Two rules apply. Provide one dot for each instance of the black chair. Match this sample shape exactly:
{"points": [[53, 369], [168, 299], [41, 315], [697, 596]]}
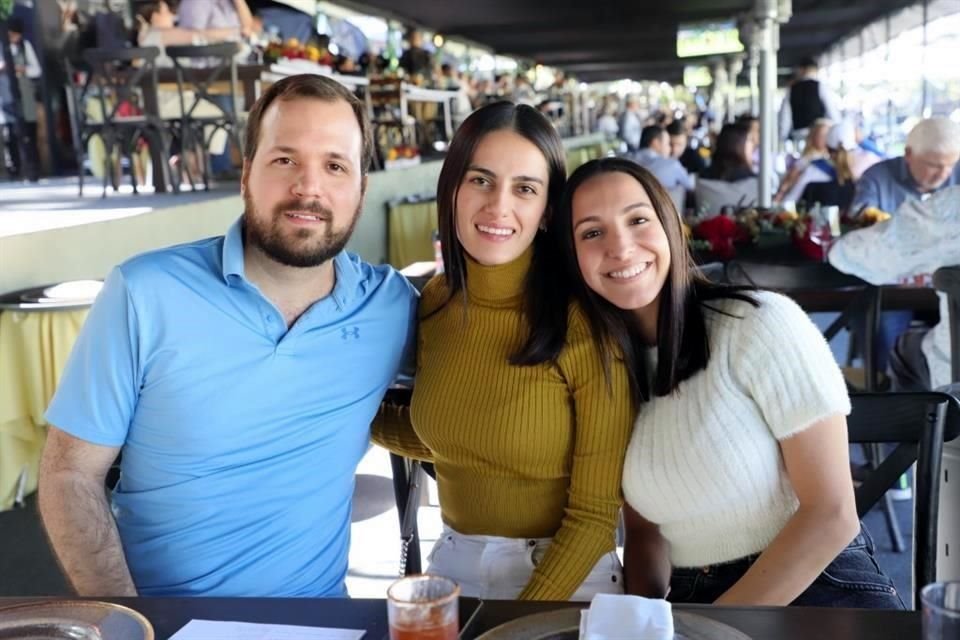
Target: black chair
{"points": [[198, 69], [919, 424], [121, 77], [947, 281], [408, 478]]}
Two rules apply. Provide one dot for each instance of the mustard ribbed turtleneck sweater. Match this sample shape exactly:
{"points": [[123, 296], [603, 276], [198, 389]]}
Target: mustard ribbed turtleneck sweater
{"points": [[520, 452]]}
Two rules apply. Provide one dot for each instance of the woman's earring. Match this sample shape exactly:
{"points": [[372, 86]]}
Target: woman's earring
{"points": [[543, 225]]}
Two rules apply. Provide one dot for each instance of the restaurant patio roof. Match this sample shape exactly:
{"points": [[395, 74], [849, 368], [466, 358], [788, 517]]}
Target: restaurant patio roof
{"points": [[614, 39]]}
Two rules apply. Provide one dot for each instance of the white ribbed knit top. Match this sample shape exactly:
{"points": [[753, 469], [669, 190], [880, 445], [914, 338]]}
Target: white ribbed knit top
{"points": [[704, 462]]}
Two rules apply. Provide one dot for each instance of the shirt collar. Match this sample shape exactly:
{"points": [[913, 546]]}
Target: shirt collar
{"points": [[347, 280], [233, 253], [904, 176], [347, 272]]}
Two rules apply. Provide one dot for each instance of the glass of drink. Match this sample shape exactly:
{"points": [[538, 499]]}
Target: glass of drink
{"points": [[423, 608], [940, 602]]}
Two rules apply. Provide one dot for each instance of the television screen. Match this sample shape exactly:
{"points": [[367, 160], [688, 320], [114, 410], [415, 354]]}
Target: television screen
{"points": [[707, 39], [697, 76]]}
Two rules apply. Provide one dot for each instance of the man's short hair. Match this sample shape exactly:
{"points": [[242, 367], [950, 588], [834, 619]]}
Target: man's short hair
{"points": [[807, 62], [676, 128], [649, 134], [935, 135], [312, 86], [15, 25]]}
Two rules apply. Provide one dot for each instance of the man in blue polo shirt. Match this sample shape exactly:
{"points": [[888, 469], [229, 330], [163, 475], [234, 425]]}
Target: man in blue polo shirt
{"points": [[239, 376], [930, 163]]}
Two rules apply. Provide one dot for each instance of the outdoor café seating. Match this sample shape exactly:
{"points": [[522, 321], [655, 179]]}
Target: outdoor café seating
{"points": [[124, 81], [207, 111]]}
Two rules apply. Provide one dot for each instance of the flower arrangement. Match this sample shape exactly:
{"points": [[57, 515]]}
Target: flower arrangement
{"points": [[292, 49], [720, 235]]}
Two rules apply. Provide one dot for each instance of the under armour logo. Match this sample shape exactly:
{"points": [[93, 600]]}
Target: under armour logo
{"points": [[353, 332]]}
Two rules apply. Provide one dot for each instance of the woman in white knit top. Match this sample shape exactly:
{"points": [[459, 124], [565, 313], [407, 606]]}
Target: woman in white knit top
{"points": [[737, 474]]}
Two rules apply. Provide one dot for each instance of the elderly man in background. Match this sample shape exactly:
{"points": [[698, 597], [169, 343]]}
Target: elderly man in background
{"points": [[928, 164], [922, 237]]}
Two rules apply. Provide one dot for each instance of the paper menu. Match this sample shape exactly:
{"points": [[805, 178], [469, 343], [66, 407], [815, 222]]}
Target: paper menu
{"points": [[217, 630]]}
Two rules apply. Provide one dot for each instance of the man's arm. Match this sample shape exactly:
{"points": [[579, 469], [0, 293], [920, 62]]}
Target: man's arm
{"points": [[77, 518], [867, 193]]}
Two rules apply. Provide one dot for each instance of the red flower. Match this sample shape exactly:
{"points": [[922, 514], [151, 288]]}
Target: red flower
{"points": [[721, 232]]}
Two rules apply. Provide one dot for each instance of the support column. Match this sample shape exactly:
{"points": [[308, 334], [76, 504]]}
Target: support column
{"points": [[927, 107], [753, 69], [767, 32], [734, 67]]}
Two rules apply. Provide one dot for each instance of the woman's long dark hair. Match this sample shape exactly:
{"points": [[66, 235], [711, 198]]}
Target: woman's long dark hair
{"points": [[542, 291], [730, 159], [682, 344]]}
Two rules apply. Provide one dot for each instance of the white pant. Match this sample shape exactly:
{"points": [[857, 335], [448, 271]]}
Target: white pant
{"points": [[499, 568]]}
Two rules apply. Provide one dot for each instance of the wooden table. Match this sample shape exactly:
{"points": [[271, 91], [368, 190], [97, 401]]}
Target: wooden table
{"points": [[760, 623]]}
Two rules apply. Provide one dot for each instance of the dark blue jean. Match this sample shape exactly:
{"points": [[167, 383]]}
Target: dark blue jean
{"points": [[852, 580]]}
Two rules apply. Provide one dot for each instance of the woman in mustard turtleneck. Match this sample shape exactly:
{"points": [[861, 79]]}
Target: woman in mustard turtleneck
{"points": [[528, 451]]}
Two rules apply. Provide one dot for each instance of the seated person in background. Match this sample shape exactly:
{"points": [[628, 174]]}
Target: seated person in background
{"points": [[729, 181], [216, 14], [654, 156], [921, 237], [157, 27], [752, 124], [828, 181], [737, 473], [731, 160], [682, 151], [929, 163], [814, 149], [214, 365]]}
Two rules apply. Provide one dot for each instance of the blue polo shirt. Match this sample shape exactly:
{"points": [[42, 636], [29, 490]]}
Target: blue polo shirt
{"points": [[240, 438], [887, 184]]}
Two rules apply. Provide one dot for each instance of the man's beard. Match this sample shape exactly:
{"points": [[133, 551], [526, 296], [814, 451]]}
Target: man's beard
{"points": [[303, 247]]}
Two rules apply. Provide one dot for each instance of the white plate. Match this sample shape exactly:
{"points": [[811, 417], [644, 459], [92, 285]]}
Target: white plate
{"points": [[564, 624], [73, 620], [74, 290]]}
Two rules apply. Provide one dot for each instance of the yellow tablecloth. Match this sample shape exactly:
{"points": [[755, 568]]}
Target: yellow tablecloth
{"points": [[410, 228], [33, 352]]}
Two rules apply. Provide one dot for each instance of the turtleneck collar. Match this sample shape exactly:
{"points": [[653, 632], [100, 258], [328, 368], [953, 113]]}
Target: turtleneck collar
{"points": [[499, 285]]}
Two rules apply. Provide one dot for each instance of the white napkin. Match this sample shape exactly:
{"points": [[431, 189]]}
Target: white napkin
{"points": [[615, 617]]}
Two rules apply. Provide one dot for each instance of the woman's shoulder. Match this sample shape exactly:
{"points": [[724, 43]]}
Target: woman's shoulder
{"points": [[753, 307], [434, 295]]}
